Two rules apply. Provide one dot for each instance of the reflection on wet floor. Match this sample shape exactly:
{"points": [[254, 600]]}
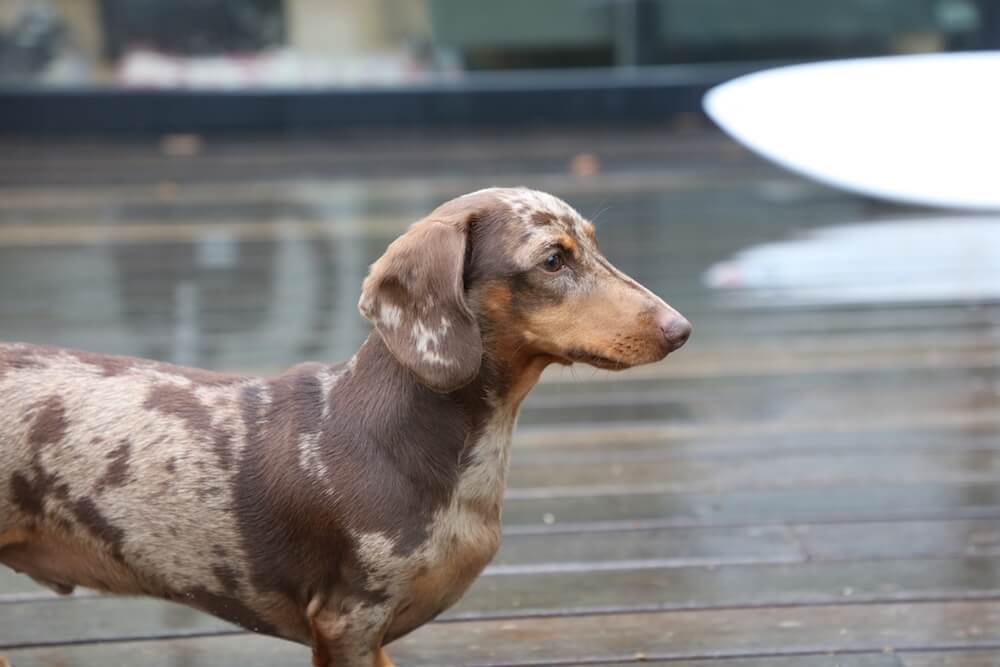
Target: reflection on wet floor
{"points": [[809, 475], [269, 286], [926, 260]]}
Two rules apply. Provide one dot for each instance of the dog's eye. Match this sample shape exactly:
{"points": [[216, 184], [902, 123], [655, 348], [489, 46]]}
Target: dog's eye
{"points": [[553, 262]]}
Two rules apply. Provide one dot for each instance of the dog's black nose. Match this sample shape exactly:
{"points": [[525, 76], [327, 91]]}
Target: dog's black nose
{"points": [[676, 330]]}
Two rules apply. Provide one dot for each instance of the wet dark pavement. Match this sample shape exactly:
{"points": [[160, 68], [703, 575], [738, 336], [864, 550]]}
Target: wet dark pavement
{"points": [[813, 480]]}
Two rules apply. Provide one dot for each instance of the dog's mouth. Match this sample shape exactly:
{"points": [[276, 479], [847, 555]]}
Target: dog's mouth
{"points": [[596, 360]]}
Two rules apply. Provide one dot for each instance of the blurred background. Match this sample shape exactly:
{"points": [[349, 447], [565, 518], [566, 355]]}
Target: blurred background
{"points": [[248, 44], [206, 181]]}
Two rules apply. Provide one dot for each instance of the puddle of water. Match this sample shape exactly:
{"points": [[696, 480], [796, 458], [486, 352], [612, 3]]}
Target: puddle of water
{"points": [[926, 260]]}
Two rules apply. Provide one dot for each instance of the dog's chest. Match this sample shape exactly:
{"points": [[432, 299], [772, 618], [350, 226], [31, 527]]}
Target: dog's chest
{"points": [[463, 536]]}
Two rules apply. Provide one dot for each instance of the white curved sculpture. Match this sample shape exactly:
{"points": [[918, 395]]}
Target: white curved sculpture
{"points": [[912, 129]]}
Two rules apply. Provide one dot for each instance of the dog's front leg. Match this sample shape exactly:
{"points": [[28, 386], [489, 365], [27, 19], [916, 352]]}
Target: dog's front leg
{"points": [[349, 635], [381, 659]]}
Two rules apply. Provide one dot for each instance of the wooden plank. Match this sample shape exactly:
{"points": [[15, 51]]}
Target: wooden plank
{"points": [[866, 660], [546, 593], [736, 633], [649, 548], [14, 585], [966, 419], [767, 402], [659, 383], [948, 438], [741, 398], [984, 658], [91, 618], [735, 545], [849, 502], [757, 586], [709, 633], [916, 539], [784, 471], [199, 658], [854, 319]]}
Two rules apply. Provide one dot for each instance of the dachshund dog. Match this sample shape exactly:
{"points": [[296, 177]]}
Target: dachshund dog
{"points": [[340, 506]]}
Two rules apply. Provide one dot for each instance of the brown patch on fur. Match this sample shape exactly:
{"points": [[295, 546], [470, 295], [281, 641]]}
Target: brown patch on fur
{"points": [[181, 402], [17, 358], [29, 494], [110, 366], [228, 577], [117, 472], [222, 443], [543, 218], [230, 609], [198, 376], [50, 424], [208, 492], [97, 524]]}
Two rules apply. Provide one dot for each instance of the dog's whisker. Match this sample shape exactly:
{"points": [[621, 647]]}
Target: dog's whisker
{"points": [[594, 219]]}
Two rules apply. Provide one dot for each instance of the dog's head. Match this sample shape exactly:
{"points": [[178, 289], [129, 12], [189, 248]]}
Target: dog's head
{"points": [[518, 274]]}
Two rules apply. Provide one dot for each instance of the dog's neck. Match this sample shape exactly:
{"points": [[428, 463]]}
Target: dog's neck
{"points": [[428, 432], [502, 383]]}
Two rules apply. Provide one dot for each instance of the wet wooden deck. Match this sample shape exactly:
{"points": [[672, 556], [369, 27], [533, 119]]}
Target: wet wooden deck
{"points": [[803, 487]]}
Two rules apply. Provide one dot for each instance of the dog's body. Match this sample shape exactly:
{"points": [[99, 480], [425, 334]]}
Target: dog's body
{"points": [[338, 506]]}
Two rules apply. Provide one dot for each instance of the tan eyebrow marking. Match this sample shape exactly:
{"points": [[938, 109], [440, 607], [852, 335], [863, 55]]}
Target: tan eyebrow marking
{"points": [[567, 243]]}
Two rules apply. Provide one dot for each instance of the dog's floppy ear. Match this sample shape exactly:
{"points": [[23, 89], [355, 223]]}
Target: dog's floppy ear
{"points": [[415, 297]]}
